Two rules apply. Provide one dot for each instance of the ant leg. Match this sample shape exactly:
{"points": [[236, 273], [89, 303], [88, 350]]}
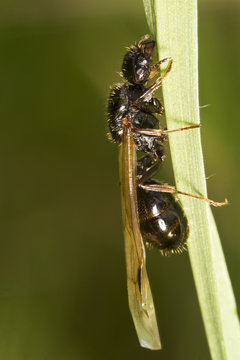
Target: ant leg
{"points": [[148, 173], [155, 68], [162, 132], [152, 106], [161, 62], [173, 190], [145, 37], [156, 84], [148, 164]]}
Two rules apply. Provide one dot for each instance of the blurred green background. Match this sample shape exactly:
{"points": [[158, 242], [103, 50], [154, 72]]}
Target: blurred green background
{"points": [[62, 270]]}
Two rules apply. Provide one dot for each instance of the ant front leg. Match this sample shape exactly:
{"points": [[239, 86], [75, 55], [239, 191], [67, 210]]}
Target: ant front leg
{"points": [[155, 68], [156, 84]]}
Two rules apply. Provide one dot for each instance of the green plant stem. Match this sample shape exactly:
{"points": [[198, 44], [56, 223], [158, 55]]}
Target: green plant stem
{"points": [[174, 23]]}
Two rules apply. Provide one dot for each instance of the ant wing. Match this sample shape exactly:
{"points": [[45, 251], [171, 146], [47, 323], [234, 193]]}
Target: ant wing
{"points": [[139, 292]]}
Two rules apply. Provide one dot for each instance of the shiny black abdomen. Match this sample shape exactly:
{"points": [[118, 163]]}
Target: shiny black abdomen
{"points": [[163, 223]]}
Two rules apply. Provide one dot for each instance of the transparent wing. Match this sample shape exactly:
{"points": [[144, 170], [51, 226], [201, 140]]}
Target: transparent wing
{"points": [[139, 292]]}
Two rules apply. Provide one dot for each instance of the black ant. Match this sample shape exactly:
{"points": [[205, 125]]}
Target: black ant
{"points": [[150, 209], [162, 220]]}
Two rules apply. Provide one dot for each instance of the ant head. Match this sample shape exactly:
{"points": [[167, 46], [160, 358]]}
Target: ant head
{"points": [[137, 62]]}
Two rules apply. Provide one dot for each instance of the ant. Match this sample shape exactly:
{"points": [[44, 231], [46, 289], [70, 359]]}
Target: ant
{"points": [[149, 207], [162, 220]]}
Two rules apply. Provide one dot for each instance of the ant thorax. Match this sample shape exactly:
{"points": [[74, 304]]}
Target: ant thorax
{"points": [[122, 104]]}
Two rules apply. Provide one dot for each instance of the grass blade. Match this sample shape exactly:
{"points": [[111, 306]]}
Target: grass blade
{"points": [[175, 29]]}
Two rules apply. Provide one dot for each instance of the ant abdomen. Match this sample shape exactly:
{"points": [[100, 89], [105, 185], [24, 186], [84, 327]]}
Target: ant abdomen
{"points": [[162, 220]]}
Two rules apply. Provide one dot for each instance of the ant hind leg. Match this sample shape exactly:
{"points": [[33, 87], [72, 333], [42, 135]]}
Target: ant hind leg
{"points": [[173, 190]]}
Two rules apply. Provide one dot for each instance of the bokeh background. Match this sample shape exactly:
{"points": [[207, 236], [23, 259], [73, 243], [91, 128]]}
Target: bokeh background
{"points": [[62, 270]]}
